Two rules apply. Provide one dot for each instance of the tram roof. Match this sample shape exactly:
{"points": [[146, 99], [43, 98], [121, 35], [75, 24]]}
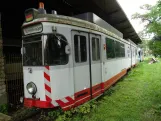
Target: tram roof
{"points": [[66, 20]]}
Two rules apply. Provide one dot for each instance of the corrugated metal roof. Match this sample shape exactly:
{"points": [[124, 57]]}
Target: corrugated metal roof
{"points": [[110, 11]]}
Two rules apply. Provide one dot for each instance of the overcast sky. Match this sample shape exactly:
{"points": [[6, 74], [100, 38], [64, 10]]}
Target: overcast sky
{"points": [[132, 6]]}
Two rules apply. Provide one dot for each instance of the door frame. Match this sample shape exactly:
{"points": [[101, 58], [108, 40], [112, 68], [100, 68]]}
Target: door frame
{"points": [[89, 55]]}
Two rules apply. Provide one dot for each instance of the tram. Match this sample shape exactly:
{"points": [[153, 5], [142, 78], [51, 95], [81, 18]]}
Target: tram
{"points": [[68, 61]]}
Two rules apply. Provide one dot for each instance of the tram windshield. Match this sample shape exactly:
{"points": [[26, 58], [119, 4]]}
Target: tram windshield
{"points": [[32, 55], [45, 50], [54, 50]]}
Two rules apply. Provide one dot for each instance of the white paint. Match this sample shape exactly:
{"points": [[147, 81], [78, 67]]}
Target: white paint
{"points": [[61, 83]]}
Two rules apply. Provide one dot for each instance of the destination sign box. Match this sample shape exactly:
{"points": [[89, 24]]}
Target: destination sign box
{"points": [[33, 29]]}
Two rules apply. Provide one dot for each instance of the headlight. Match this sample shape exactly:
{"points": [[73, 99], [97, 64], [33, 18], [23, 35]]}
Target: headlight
{"points": [[31, 88]]}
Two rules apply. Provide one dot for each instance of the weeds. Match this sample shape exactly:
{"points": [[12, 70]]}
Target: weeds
{"points": [[4, 108], [60, 115]]}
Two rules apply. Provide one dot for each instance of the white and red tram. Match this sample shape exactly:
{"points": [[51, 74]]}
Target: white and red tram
{"points": [[69, 61]]}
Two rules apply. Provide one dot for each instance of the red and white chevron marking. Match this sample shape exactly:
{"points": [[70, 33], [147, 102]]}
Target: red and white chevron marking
{"points": [[47, 85], [64, 102]]}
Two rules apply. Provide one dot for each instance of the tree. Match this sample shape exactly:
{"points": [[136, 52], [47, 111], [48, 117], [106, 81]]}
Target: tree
{"points": [[152, 21]]}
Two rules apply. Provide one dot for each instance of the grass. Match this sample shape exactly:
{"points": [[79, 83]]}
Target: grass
{"points": [[136, 97]]}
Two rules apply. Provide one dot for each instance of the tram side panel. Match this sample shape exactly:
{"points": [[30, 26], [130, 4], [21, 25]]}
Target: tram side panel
{"points": [[116, 62]]}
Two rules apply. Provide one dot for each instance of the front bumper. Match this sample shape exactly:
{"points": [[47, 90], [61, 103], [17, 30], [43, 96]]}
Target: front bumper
{"points": [[29, 102]]}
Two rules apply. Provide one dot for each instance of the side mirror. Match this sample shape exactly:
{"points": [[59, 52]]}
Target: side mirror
{"points": [[67, 49]]}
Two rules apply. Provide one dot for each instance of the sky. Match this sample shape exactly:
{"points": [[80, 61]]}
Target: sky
{"points": [[132, 6]]}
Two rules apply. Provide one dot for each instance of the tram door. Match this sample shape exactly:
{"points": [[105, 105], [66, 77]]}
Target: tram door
{"points": [[81, 71], [87, 65], [96, 70]]}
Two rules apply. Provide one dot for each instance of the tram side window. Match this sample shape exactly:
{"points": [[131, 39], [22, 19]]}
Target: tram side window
{"points": [[122, 50], [117, 49], [110, 52], [80, 47], [95, 49], [128, 51]]}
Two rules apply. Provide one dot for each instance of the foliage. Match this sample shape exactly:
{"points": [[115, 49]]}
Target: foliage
{"points": [[54, 114], [60, 115], [78, 111], [4, 108], [145, 47], [151, 19], [155, 47]]}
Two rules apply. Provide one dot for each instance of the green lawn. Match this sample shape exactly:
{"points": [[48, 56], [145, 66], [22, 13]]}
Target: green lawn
{"points": [[136, 97]]}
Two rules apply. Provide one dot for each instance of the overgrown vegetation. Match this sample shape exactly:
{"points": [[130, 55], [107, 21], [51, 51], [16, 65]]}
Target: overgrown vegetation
{"points": [[155, 47], [59, 115], [4, 108]]}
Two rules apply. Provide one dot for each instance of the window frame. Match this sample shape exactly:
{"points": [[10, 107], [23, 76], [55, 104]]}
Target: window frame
{"points": [[28, 42], [120, 41], [79, 49], [122, 51], [112, 49], [97, 50]]}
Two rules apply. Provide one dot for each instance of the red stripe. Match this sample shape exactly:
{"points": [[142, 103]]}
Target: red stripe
{"points": [[102, 86], [47, 88], [47, 67], [37, 103], [47, 76], [69, 99], [48, 98], [61, 103]]}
